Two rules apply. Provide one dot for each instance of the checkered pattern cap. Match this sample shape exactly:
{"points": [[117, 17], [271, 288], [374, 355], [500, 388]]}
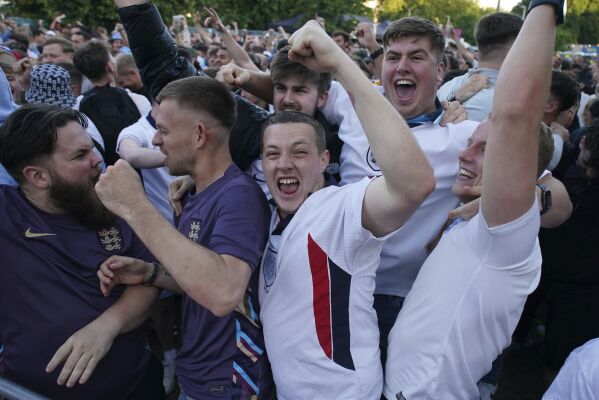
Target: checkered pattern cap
{"points": [[50, 84]]}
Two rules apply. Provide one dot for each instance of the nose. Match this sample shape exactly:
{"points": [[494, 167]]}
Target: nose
{"points": [[157, 139], [95, 159], [288, 98], [284, 162], [403, 64], [466, 155]]}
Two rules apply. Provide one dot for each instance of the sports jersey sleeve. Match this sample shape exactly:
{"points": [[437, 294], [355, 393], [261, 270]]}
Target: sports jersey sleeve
{"points": [[505, 245], [348, 241], [134, 132], [241, 226]]}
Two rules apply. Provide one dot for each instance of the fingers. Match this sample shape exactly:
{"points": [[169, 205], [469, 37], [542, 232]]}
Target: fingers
{"points": [[62, 353], [80, 366], [91, 365]]}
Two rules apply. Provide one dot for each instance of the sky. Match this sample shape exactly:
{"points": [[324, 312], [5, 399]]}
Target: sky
{"points": [[505, 4]]}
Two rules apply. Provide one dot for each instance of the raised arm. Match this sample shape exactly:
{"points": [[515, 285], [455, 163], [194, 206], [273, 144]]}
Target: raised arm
{"points": [[408, 177], [522, 90], [238, 54]]}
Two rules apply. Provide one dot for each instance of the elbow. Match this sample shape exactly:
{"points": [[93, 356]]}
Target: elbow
{"points": [[423, 186], [220, 303]]}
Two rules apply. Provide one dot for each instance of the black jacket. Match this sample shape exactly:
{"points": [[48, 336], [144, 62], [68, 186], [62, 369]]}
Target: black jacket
{"points": [[155, 54]]}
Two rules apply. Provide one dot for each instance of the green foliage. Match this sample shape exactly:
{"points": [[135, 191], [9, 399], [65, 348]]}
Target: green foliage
{"points": [[582, 22], [463, 13], [581, 25]]}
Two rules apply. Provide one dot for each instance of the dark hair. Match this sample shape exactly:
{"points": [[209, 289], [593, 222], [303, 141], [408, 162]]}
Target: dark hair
{"points": [[494, 31], [416, 26], [287, 117], [91, 59], [282, 67], [76, 76], [65, 45], [86, 35], [204, 95], [28, 136], [591, 143], [186, 53], [345, 35], [37, 32], [21, 39], [565, 89]]}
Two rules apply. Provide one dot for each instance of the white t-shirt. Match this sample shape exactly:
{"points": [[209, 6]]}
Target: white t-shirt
{"points": [[156, 180], [463, 308], [316, 295], [579, 377], [404, 252]]}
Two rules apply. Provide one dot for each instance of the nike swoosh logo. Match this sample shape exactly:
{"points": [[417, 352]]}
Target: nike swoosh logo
{"points": [[30, 234]]}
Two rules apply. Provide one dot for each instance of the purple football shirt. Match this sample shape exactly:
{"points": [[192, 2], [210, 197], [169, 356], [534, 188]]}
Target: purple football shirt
{"points": [[49, 290], [223, 357]]}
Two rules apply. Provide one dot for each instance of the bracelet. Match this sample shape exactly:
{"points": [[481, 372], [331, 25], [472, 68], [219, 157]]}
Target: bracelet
{"points": [[153, 275], [376, 53]]}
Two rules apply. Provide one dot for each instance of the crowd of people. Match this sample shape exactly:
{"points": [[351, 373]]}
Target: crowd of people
{"points": [[216, 214]]}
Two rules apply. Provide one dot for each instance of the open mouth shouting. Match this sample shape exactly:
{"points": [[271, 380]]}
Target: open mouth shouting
{"points": [[288, 186], [405, 89]]}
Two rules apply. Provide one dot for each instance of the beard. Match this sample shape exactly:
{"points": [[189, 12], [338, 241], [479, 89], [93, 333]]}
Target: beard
{"points": [[81, 202]]}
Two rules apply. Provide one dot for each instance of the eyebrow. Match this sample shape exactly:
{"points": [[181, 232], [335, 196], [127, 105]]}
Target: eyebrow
{"points": [[409, 53]]}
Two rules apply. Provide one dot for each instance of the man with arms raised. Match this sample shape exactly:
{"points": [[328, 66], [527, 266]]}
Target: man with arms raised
{"points": [[470, 292], [317, 277]]}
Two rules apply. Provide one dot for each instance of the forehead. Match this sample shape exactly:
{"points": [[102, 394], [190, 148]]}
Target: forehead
{"points": [[410, 43], [296, 81], [288, 134], [53, 48], [71, 137], [481, 133]]}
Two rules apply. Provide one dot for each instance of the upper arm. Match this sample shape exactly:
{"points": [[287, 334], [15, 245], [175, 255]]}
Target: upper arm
{"points": [[383, 212], [561, 206], [127, 146]]}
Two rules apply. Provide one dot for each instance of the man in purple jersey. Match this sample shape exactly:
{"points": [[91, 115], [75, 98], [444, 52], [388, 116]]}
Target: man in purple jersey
{"points": [[221, 234], [54, 234]]}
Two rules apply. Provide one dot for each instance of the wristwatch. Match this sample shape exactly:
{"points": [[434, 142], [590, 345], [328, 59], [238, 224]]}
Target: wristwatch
{"points": [[545, 198], [560, 8], [376, 53]]}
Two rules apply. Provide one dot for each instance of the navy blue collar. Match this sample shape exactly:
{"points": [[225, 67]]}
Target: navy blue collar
{"points": [[151, 120], [426, 118]]}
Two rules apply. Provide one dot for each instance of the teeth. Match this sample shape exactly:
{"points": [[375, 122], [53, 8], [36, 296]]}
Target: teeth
{"points": [[288, 181], [466, 173], [404, 82]]}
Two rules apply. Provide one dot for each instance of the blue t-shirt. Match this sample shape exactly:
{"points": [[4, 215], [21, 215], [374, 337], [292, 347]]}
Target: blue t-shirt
{"points": [[224, 357], [49, 290]]}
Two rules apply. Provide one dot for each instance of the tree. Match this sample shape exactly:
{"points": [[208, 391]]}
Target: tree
{"points": [[463, 13]]}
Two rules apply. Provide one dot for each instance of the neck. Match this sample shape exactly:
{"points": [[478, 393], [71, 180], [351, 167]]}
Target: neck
{"points": [[490, 64], [41, 200], [107, 80], [209, 169]]}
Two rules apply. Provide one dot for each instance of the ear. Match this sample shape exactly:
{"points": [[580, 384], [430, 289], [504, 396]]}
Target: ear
{"points": [[325, 158], [552, 106], [200, 135], [322, 99], [440, 73], [37, 176]]}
